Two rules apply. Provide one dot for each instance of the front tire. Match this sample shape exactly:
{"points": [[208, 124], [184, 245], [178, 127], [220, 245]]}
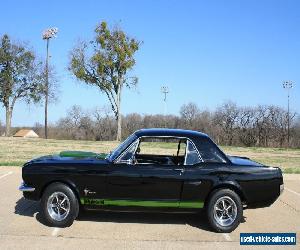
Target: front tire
{"points": [[60, 206], [224, 210]]}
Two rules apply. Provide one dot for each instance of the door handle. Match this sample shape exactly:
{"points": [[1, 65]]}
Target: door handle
{"points": [[195, 183], [181, 170]]}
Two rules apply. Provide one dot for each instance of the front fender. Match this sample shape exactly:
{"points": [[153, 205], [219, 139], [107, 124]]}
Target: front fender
{"points": [[67, 182]]}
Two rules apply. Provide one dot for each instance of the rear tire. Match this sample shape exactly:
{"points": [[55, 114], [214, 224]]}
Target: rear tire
{"points": [[59, 204], [224, 210]]}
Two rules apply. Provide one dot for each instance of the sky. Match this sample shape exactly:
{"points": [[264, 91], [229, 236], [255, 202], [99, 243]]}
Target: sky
{"points": [[206, 52]]}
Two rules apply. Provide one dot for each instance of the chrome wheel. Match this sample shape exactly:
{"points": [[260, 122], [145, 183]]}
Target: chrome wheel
{"points": [[58, 206], [225, 211]]}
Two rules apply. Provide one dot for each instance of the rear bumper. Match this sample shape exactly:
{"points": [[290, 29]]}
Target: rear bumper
{"points": [[25, 188], [281, 188]]}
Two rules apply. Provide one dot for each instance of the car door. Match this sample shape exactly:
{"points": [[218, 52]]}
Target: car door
{"points": [[201, 164], [144, 182], [150, 184], [195, 183]]}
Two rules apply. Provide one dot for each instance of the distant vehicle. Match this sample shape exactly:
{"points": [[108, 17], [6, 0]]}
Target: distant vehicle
{"points": [[162, 169]]}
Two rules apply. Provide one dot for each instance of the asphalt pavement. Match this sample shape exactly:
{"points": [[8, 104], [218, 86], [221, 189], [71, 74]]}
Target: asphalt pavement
{"points": [[22, 226]]}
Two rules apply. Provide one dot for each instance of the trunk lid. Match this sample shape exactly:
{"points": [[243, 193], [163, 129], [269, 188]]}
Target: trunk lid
{"points": [[245, 161]]}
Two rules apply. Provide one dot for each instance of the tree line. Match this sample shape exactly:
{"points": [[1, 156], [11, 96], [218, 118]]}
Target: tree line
{"points": [[228, 124]]}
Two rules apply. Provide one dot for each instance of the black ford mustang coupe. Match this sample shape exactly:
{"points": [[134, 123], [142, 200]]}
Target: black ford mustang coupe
{"points": [[162, 169]]}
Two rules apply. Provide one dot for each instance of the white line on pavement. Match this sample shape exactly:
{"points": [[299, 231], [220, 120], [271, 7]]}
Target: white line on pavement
{"points": [[292, 191], [55, 231], [9, 173], [227, 237]]}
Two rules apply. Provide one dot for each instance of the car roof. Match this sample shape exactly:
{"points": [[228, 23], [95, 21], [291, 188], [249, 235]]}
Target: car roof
{"points": [[169, 132]]}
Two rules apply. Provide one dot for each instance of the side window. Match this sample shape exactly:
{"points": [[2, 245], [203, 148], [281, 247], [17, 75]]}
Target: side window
{"points": [[161, 151], [192, 156], [158, 146], [128, 155], [210, 152]]}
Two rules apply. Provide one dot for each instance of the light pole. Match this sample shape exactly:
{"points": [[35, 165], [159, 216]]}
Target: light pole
{"points": [[47, 35], [288, 85], [165, 91]]}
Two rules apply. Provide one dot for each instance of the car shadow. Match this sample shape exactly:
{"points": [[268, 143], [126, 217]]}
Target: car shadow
{"points": [[27, 207], [32, 209], [198, 220]]}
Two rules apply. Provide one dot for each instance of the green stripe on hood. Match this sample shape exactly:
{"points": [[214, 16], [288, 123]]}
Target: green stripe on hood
{"points": [[82, 154]]}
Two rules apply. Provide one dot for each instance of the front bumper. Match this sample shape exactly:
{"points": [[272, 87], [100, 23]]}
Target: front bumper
{"points": [[26, 188]]}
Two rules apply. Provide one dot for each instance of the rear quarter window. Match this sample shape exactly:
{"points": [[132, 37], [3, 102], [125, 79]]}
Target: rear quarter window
{"points": [[209, 151]]}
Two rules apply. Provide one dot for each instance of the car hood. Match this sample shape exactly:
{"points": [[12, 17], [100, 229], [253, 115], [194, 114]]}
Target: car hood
{"points": [[238, 160], [70, 156]]}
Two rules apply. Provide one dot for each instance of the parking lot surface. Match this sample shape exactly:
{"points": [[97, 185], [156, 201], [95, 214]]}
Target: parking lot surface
{"points": [[22, 227]]}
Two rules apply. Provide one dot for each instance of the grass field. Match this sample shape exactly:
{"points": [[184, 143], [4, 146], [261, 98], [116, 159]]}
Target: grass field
{"points": [[16, 151]]}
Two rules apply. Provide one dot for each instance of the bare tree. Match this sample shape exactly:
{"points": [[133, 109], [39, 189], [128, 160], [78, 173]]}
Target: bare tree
{"points": [[105, 125], [246, 126], [189, 113], [229, 124], [226, 118]]}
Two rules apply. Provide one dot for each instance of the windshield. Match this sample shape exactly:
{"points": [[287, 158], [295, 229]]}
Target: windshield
{"points": [[115, 153]]}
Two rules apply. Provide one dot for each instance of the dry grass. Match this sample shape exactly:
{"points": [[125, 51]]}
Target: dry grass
{"points": [[16, 151], [288, 159]]}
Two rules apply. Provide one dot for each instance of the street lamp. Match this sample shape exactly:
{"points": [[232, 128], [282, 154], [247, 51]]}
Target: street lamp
{"points": [[288, 85], [47, 35], [165, 91]]}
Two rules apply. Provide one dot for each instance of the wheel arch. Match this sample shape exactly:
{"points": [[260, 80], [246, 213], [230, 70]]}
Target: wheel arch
{"points": [[232, 186], [68, 183]]}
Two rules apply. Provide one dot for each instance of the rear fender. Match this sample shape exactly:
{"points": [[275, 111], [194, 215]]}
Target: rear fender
{"points": [[232, 185]]}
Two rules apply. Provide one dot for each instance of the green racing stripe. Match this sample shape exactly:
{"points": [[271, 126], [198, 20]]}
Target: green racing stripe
{"points": [[142, 203], [82, 154]]}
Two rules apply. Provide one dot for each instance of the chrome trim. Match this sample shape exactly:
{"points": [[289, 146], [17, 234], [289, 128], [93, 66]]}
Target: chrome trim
{"points": [[181, 170], [58, 206], [225, 211], [25, 188], [186, 152], [196, 183], [281, 188], [134, 143]]}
